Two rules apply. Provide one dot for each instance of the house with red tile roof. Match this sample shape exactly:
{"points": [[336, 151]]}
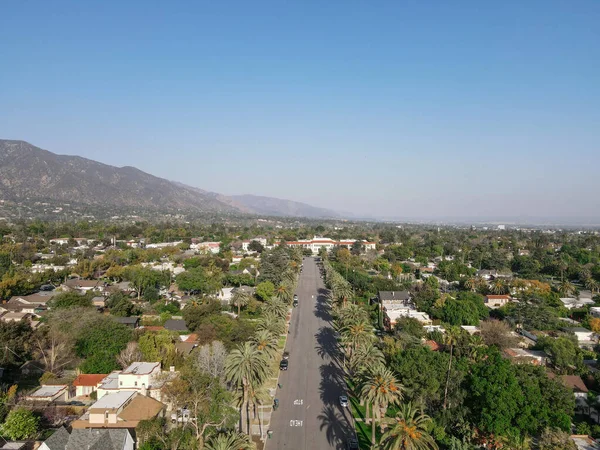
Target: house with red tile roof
{"points": [[86, 383]]}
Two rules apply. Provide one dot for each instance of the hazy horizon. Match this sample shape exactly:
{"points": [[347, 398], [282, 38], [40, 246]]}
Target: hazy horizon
{"points": [[388, 110]]}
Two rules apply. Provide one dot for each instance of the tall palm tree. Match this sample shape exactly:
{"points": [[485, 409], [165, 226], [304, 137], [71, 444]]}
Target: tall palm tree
{"points": [[450, 340], [356, 334], [275, 307], [284, 292], [380, 389], [408, 431], [364, 357], [240, 298], [271, 323], [229, 441], [246, 366], [266, 342], [566, 288], [499, 287]]}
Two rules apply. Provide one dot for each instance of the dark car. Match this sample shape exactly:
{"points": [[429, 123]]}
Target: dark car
{"points": [[353, 444], [283, 365], [295, 303]]}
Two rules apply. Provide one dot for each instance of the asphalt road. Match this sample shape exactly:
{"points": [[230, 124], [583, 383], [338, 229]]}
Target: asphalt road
{"points": [[309, 415]]}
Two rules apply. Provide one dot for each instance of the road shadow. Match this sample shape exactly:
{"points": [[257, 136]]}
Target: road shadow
{"points": [[332, 383], [327, 346], [322, 308], [336, 426]]}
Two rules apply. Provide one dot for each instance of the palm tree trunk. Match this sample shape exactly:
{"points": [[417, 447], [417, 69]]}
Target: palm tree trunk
{"points": [[372, 424], [448, 377]]}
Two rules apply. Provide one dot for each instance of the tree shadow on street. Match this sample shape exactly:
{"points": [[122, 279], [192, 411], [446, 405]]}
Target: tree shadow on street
{"points": [[332, 383], [327, 346], [336, 426], [322, 309]]}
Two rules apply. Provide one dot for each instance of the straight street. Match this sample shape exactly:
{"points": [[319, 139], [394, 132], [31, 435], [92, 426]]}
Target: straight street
{"points": [[310, 416]]}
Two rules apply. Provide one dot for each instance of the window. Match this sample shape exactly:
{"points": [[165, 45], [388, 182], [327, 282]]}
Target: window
{"points": [[105, 415], [135, 384]]}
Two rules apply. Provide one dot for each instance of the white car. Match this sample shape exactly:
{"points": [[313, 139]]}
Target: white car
{"points": [[343, 401]]}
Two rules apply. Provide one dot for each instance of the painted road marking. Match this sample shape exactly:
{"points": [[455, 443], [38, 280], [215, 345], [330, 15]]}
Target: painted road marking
{"points": [[298, 402], [296, 423]]}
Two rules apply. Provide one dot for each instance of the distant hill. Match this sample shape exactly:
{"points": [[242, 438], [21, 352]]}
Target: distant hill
{"points": [[30, 173], [278, 207]]}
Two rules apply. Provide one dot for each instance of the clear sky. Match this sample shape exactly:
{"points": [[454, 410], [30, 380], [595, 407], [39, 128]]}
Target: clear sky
{"points": [[392, 108]]}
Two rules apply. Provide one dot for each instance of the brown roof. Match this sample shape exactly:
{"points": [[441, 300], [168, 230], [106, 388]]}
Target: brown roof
{"points": [[571, 381], [433, 346], [92, 379], [498, 297], [141, 408], [154, 328], [32, 298], [192, 338]]}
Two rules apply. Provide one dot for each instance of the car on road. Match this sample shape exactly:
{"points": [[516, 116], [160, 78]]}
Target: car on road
{"points": [[295, 302], [283, 365], [352, 444], [286, 355], [295, 296], [344, 401]]}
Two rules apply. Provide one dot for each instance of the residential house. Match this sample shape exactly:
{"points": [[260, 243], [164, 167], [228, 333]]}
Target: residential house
{"points": [[130, 322], [206, 247], [99, 302], [31, 304], [398, 304], [125, 409], [580, 302], [246, 243], [14, 316], [583, 334], [13, 445], [50, 393], [497, 301], [83, 286], [317, 243], [111, 439], [595, 311], [583, 442], [225, 295], [85, 384], [147, 378], [573, 382], [175, 325], [521, 355], [471, 329]]}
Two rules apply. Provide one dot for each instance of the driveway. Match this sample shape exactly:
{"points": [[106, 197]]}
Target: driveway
{"points": [[309, 415]]}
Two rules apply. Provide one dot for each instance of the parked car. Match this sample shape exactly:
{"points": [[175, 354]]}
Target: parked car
{"points": [[283, 365], [295, 302], [352, 444], [182, 415], [286, 355], [344, 401]]}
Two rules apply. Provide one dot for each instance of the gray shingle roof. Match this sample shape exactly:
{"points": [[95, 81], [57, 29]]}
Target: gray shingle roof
{"points": [[394, 295], [91, 439], [175, 325]]}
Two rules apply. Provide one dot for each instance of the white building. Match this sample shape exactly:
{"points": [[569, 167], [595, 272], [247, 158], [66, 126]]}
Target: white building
{"points": [[318, 243], [114, 439], [164, 244], [207, 247], [144, 377], [246, 243]]}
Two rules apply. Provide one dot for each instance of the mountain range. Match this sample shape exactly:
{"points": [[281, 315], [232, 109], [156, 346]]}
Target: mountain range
{"points": [[29, 173]]}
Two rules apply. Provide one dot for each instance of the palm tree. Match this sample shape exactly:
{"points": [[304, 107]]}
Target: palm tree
{"points": [[591, 284], [380, 389], [364, 357], [246, 366], [266, 342], [229, 441], [271, 323], [240, 298], [471, 284], [450, 338], [498, 287], [408, 431], [566, 288], [276, 308], [284, 292], [356, 334]]}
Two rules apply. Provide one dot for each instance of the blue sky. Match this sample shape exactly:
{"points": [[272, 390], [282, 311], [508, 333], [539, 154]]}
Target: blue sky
{"points": [[398, 109]]}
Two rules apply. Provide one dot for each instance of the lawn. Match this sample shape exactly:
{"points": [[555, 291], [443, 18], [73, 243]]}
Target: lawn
{"points": [[363, 434]]}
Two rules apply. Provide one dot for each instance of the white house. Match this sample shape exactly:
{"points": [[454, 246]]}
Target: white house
{"points": [[496, 301], [571, 302], [144, 377], [85, 384], [164, 244], [247, 242], [582, 334], [50, 393], [206, 247]]}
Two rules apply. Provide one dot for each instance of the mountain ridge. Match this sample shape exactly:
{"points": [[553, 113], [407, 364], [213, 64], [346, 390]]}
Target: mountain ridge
{"points": [[28, 172]]}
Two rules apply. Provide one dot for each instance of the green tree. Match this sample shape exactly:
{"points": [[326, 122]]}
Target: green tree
{"points": [[230, 441], [554, 439], [15, 343], [159, 347], [409, 430], [70, 300], [265, 290], [240, 298], [20, 423], [563, 351], [467, 309], [100, 352], [246, 366], [380, 389]]}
